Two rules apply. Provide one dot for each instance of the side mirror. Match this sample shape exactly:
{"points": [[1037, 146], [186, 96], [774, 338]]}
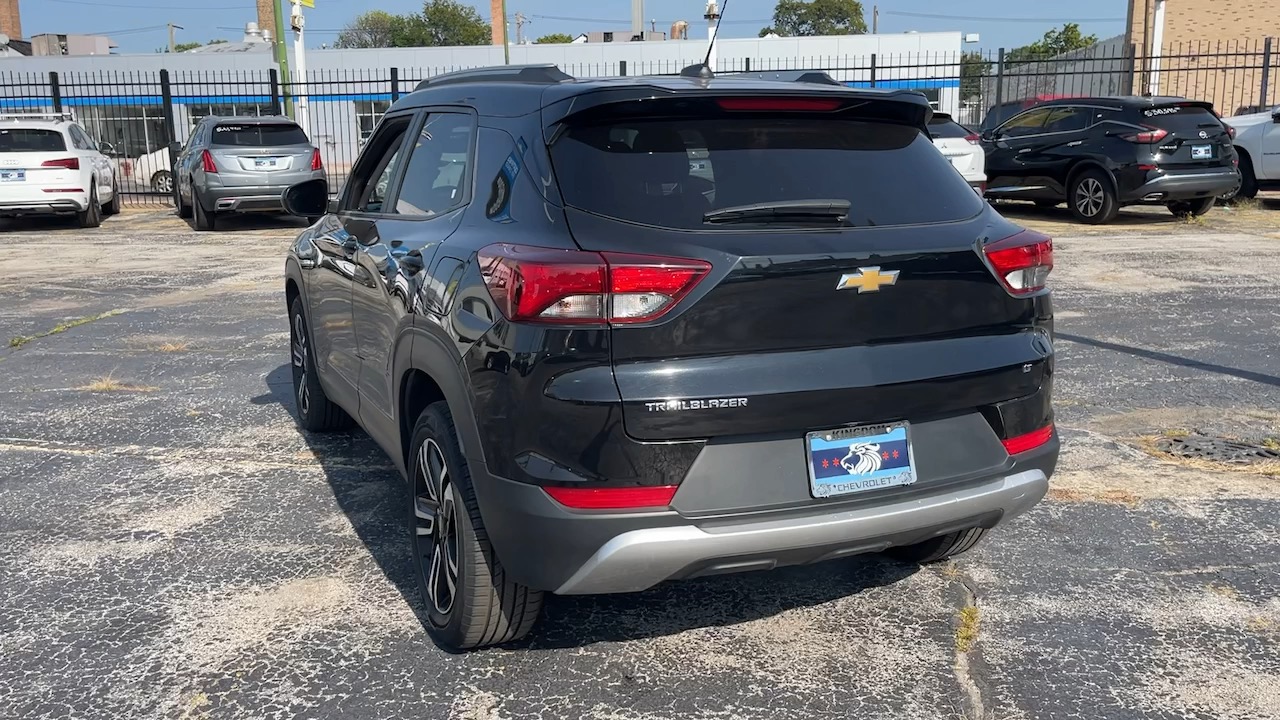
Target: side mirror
{"points": [[989, 135], [107, 149], [1275, 117], [333, 206], [175, 148], [307, 199]]}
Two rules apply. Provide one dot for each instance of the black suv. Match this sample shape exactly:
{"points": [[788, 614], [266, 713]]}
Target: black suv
{"points": [[1098, 154], [621, 331]]}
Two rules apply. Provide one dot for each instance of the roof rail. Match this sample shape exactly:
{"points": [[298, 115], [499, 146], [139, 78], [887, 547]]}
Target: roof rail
{"points": [[67, 115], [533, 74], [819, 77]]}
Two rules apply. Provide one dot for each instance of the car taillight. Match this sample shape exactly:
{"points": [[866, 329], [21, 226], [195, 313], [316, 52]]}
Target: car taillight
{"points": [[65, 163], [1150, 135], [534, 284], [206, 160], [1231, 132], [1030, 441], [316, 162], [1022, 262], [766, 104], [612, 498], [973, 138]]}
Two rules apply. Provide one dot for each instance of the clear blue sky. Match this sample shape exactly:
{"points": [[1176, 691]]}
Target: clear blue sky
{"points": [[137, 25]]}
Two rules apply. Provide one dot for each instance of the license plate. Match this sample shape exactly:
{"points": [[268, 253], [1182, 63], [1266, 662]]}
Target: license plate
{"points": [[1201, 152], [264, 163], [13, 175], [858, 459]]}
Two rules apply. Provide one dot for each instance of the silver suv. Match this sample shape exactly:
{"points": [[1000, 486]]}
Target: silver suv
{"points": [[241, 164]]}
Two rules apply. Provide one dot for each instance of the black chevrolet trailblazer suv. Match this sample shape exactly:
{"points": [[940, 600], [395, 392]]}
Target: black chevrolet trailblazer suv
{"points": [[1099, 154], [621, 331]]}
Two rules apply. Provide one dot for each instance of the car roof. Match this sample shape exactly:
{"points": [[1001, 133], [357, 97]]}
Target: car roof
{"points": [[252, 119], [1130, 101], [525, 89]]}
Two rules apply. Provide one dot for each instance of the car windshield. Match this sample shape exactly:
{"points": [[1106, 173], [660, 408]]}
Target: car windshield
{"points": [[31, 140], [678, 173], [258, 135]]}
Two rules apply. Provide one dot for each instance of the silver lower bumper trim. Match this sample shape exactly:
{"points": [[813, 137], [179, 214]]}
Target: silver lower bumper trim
{"points": [[640, 559]]}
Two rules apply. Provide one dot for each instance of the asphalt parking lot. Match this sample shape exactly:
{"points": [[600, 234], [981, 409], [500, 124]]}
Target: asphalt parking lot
{"points": [[171, 546]]}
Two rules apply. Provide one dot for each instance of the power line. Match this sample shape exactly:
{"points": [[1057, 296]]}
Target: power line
{"points": [[628, 22], [153, 7], [968, 18]]}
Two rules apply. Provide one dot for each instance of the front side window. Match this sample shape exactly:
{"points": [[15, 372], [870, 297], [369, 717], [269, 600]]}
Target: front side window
{"points": [[435, 180], [1028, 123], [1068, 119], [370, 183]]}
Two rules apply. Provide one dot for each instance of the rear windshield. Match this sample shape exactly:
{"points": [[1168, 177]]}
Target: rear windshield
{"points": [[254, 135], [1181, 119], [944, 128], [671, 172], [31, 140]]}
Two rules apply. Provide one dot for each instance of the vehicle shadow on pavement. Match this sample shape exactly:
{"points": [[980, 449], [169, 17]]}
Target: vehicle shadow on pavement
{"points": [[372, 502], [1173, 359]]}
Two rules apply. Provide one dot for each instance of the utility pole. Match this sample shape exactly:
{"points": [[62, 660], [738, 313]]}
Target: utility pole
{"points": [[300, 59], [282, 57], [875, 19], [506, 36], [521, 20], [173, 46]]}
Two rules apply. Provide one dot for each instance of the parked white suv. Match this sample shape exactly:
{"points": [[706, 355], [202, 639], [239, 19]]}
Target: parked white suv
{"points": [[1257, 142], [50, 166], [962, 147]]}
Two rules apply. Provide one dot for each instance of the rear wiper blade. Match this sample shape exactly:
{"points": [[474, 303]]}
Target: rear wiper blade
{"points": [[783, 211]]}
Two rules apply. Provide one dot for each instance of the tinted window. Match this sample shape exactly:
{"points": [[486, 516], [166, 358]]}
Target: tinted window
{"points": [[31, 140], [944, 128], [435, 178], [1028, 123], [1065, 119], [671, 172], [1179, 119], [253, 135], [370, 181]]}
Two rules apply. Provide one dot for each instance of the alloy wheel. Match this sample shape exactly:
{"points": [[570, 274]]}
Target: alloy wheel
{"points": [[436, 527], [1090, 197], [163, 183], [301, 358]]}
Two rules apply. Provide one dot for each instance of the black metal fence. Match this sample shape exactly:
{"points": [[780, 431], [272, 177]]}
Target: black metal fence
{"points": [[137, 116]]}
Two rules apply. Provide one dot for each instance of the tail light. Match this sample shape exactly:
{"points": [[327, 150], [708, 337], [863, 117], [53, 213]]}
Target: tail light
{"points": [[1149, 135], [1231, 132], [70, 163], [973, 138], [1030, 441], [767, 104], [1022, 262], [612, 498], [316, 162], [206, 160], [532, 284]]}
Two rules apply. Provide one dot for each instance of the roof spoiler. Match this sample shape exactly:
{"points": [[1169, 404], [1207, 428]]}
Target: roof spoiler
{"points": [[532, 74], [818, 77]]}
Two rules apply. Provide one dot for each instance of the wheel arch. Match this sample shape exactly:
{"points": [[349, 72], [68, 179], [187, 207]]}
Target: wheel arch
{"points": [[1089, 164], [427, 371]]}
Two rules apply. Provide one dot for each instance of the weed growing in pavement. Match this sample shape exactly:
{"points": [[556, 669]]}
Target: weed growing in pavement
{"points": [[19, 340], [108, 383], [967, 633], [172, 347]]}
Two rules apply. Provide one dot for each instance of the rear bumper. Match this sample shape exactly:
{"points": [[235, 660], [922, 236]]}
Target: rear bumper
{"points": [[548, 547], [244, 199], [61, 205], [1185, 186]]}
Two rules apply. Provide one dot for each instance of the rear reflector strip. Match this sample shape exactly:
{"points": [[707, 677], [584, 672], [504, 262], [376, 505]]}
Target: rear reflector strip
{"points": [[612, 498], [1030, 441]]}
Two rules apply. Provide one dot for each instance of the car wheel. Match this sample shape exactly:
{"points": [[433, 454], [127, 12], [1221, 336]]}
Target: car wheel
{"points": [[91, 216], [1048, 203], [316, 412], [939, 548], [162, 182], [1091, 198], [1192, 208], [182, 208], [113, 207], [470, 601], [1248, 181], [204, 219]]}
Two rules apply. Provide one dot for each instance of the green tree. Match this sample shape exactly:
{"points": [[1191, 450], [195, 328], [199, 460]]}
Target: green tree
{"points": [[374, 29], [794, 18], [553, 39], [441, 23], [1054, 43], [184, 47], [449, 22], [973, 68]]}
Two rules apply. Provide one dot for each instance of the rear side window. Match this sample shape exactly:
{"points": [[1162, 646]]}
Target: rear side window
{"points": [[671, 172], [1180, 118], [946, 128], [258, 135], [31, 140]]}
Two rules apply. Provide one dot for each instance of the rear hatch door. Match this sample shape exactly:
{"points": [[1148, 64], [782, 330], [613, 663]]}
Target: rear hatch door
{"points": [[806, 320], [260, 153], [958, 145], [1194, 136], [24, 153]]}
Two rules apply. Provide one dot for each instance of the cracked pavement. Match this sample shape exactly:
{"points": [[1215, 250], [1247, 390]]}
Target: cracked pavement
{"points": [[175, 548]]}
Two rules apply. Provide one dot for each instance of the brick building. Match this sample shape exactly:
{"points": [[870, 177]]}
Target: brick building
{"points": [[1211, 50], [10, 19]]}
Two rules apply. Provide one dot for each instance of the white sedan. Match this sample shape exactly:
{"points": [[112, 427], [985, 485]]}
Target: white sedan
{"points": [[962, 147], [50, 166]]}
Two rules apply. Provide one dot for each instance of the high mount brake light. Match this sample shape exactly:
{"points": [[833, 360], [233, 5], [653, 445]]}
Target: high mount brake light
{"points": [[545, 285], [1022, 262], [1150, 135], [749, 104]]}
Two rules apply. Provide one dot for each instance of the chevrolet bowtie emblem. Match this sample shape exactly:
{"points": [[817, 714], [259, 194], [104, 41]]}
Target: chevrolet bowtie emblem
{"points": [[867, 279]]}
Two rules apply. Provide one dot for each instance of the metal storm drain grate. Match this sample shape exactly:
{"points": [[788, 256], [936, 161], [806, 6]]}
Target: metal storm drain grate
{"points": [[1202, 447]]}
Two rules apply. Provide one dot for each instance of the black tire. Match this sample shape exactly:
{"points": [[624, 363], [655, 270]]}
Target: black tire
{"points": [[1048, 203], [316, 412], [1248, 180], [91, 216], [179, 205], [204, 220], [1091, 198], [1192, 208], [485, 607], [113, 207], [939, 548]]}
